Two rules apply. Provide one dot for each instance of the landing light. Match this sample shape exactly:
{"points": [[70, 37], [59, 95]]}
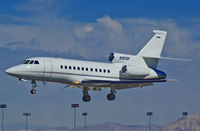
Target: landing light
{"points": [[75, 82]]}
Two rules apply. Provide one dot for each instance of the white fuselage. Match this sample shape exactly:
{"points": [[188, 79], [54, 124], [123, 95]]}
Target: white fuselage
{"points": [[70, 71]]}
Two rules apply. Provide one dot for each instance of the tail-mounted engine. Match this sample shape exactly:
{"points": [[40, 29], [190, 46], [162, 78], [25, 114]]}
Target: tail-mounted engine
{"points": [[119, 57], [133, 71]]}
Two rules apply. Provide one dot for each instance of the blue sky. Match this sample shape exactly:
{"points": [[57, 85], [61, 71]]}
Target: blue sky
{"points": [[90, 30]]}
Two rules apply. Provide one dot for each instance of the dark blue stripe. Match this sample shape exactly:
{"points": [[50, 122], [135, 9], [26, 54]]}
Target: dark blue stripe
{"points": [[124, 81]]}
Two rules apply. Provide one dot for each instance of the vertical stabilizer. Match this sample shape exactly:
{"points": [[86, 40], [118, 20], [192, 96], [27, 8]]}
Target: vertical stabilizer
{"points": [[153, 49]]}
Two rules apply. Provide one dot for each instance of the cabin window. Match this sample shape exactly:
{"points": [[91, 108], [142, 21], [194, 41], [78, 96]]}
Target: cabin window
{"points": [[104, 70], [61, 67], [36, 62], [86, 69], [78, 68], [27, 62], [31, 62], [100, 70], [96, 70], [74, 68], [91, 69], [70, 67], [65, 67], [108, 71]]}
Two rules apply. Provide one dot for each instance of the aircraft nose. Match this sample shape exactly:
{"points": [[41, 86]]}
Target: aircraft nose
{"points": [[10, 71]]}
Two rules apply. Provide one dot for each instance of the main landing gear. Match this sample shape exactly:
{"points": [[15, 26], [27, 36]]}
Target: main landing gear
{"points": [[111, 95], [34, 85], [86, 97]]}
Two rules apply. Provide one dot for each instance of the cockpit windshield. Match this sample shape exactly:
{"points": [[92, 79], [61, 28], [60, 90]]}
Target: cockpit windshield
{"points": [[26, 62], [30, 62]]}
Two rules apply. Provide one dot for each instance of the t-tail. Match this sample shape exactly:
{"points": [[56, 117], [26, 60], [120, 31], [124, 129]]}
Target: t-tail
{"points": [[151, 52]]}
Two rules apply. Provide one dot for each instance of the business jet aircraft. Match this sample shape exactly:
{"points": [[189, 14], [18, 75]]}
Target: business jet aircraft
{"points": [[124, 70]]}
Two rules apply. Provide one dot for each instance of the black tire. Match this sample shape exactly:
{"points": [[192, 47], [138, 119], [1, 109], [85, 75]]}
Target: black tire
{"points": [[111, 97], [33, 91], [86, 98]]}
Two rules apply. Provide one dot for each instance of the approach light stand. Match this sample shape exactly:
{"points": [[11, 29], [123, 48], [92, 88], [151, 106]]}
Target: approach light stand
{"points": [[3, 106], [84, 114], [74, 106], [185, 115], [149, 114], [26, 115]]}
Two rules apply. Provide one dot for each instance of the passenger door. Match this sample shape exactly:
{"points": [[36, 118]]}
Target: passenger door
{"points": [[47, 69]]}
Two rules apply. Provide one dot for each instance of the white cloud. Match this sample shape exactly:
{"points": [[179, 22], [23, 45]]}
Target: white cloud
{"points": [[48, 32], [81, 32], [106, 20]]}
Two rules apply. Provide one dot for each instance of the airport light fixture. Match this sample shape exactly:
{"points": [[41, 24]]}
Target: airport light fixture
{"points": [[26, 115], [84, 114], [3, 106], [149, 114], [185, 114], [74, 106]]}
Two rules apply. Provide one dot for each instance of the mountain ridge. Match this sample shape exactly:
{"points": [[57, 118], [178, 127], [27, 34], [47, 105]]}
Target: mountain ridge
{"points": [[192, 124]]}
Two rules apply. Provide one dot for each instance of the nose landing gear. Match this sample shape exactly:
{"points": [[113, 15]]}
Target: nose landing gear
{"points": [[34, 85], [33, 91]]}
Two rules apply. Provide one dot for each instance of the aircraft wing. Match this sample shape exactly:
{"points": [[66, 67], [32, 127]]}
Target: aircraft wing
{"points": [[97, 85]]}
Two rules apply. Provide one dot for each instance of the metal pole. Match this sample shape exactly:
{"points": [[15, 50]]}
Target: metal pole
{"points": [[26, 123], [185, 123], [26, 115], [185, 115], [3, 106], [85, 123], [74, 106], [74, 119], [2, 117], [149, 114], [84, 114], [149, 123]]}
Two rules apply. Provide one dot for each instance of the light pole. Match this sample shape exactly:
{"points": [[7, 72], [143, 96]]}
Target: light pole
{"points": [[185, 115], [74, 106], [26, 115], [3, 106], [84, 114], [149, 114]]}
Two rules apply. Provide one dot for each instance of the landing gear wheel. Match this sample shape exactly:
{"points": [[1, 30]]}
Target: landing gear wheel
{"points": [[33, 91], [86, 98], [111, 97]]}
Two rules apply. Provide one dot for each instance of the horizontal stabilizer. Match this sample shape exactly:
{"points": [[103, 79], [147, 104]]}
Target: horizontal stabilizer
{"points": [[167, 58]]}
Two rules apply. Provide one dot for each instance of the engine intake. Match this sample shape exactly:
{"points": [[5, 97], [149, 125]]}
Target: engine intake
{"points": [[134, 71], [118, 57]]}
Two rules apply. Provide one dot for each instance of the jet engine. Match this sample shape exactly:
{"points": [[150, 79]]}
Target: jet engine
{"points": [[118, 57], [133, 71]]}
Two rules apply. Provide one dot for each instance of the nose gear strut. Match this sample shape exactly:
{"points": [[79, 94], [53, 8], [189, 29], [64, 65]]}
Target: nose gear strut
{"points": [[34, 85]]}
